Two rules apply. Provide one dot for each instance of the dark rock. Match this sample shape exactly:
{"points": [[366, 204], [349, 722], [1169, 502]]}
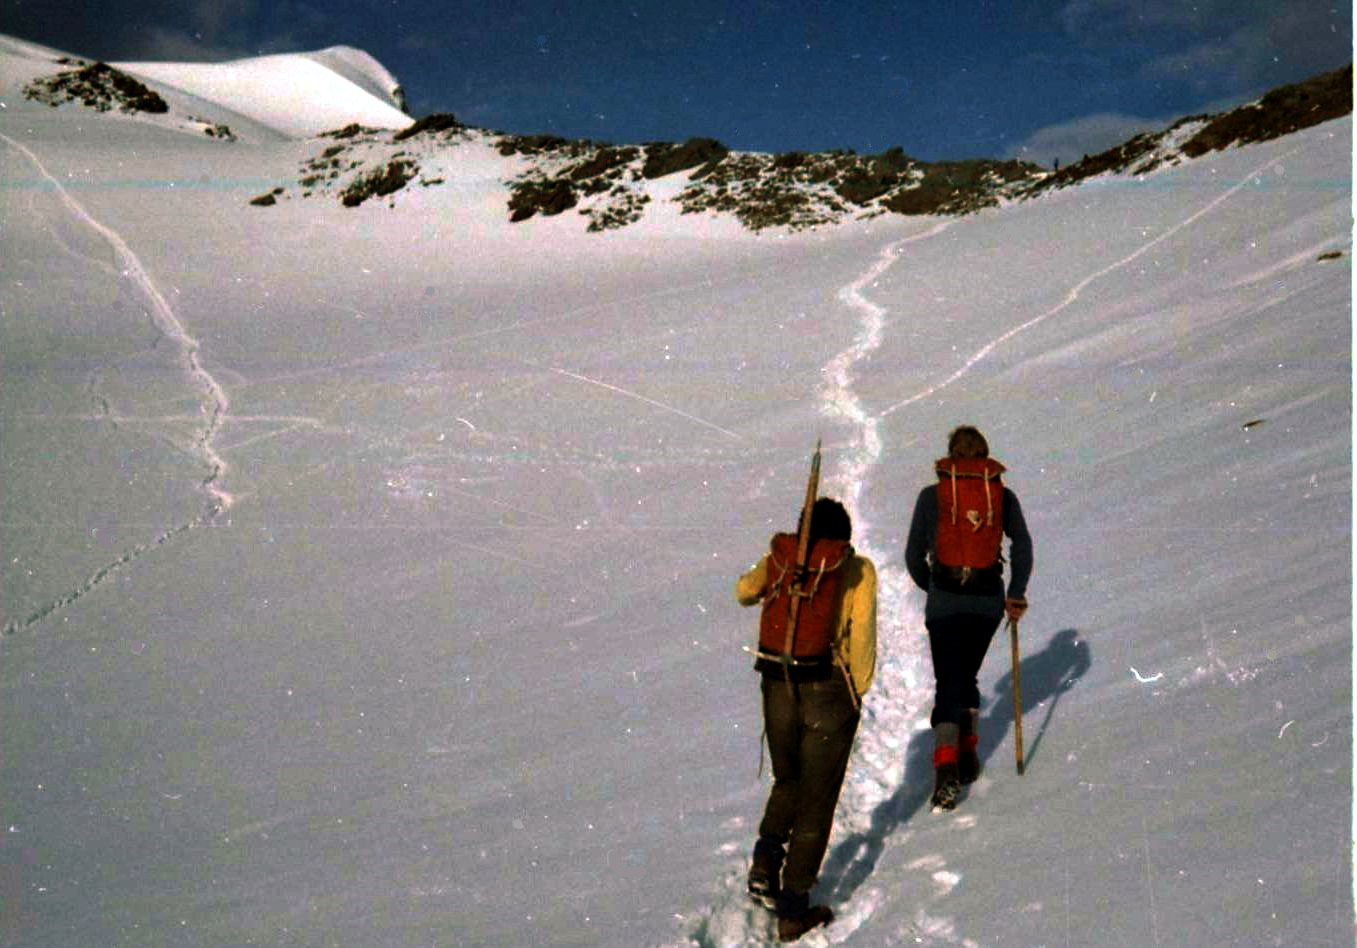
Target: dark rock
{"points": [[536, 145], [438, 122], [604, 161], [666, 158], [396, 175], [1280, 112], [547, 198], [98, 86], [267, 200], [352, 130]]}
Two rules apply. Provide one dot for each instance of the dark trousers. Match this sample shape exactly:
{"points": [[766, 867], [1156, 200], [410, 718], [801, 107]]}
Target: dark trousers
{"points": [[810, 728], [959, 644]]}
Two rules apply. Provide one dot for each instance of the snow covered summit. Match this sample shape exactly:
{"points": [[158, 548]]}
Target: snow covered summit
{"points": [[289, 95], [296, 94]]}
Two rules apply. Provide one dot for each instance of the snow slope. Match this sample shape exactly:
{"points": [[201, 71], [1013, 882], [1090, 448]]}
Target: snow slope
{"points": [[367, 572]]}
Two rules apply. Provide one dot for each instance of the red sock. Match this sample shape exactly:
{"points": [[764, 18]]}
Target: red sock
{"points": [[945, 754]]}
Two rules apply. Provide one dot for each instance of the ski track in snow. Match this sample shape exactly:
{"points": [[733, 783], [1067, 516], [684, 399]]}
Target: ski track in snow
{"points": [[1077, 290], [901, 694], [642, 398], [216, 404]]}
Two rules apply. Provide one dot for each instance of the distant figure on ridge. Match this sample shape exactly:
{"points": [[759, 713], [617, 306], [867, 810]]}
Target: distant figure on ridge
{"points": [[813, 683], [954, 553]]}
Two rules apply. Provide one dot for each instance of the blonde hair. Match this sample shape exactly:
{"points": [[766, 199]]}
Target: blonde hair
{"points": [[967, 442]]}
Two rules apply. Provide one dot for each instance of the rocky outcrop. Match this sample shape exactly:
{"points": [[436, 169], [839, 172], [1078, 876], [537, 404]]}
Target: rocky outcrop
{"points": [[1280, 112], [98, 86], [1283, 111], [611, 186]]}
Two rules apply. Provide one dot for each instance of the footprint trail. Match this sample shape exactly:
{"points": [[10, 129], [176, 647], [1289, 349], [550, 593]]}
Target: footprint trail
{"points": [[213, 398]]}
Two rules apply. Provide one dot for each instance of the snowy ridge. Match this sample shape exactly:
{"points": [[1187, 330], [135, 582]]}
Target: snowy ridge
{"points": [[296, 95], [363, 70]]}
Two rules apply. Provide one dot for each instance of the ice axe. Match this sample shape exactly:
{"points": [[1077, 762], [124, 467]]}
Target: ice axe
{"points": [[1017, 693]]}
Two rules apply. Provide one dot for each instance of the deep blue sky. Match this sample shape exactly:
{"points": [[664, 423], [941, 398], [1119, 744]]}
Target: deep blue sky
{"points": [[1037, 78]]}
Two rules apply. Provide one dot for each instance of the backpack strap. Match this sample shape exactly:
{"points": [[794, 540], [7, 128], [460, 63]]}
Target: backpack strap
{"points": [[984, 468], [989, 502], [840, 658], [822, 569], [782, 574]]}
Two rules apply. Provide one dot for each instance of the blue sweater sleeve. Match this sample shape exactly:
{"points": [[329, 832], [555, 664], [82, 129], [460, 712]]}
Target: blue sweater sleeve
{"points": [[922, 528], [1020, 546]]}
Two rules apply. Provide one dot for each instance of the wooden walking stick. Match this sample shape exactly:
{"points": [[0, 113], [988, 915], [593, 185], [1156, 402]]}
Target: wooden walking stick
{"points": [[1017, 693]]}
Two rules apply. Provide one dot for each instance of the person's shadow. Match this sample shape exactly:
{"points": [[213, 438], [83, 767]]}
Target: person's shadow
{"points": [[1047, 674]]}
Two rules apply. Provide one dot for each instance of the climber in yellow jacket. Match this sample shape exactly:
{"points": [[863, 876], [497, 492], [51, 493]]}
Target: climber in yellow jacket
{"points": [[811, 708]]}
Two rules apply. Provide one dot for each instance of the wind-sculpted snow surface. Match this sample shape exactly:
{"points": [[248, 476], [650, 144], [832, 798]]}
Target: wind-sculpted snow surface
{"points": [[454, 659]]}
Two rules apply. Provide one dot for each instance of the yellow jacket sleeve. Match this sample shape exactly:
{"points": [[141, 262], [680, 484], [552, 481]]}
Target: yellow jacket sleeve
{"points": [[857, 624], [750, 587]]}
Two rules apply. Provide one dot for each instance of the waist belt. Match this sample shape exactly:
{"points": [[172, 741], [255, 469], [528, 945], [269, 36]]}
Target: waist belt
{"points": [[955, 577], [797, 668]]}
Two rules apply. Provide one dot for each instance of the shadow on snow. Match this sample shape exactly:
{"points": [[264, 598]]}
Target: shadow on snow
{"points": [[1045, 675]]}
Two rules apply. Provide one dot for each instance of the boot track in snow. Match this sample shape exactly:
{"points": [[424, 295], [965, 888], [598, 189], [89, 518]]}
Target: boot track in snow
{"points": [[890, 711], [214, 401], [894, 710]]}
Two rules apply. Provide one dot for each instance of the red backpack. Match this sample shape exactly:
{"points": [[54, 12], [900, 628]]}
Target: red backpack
{"points": [[821, 592], [970, 513]]}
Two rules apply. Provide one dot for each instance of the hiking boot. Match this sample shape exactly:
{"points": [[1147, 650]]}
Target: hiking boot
{"points": [[968, 761], [947, 775], [796, 916], [947, 786], [968, 752], [765, 872], [792, 927]]}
